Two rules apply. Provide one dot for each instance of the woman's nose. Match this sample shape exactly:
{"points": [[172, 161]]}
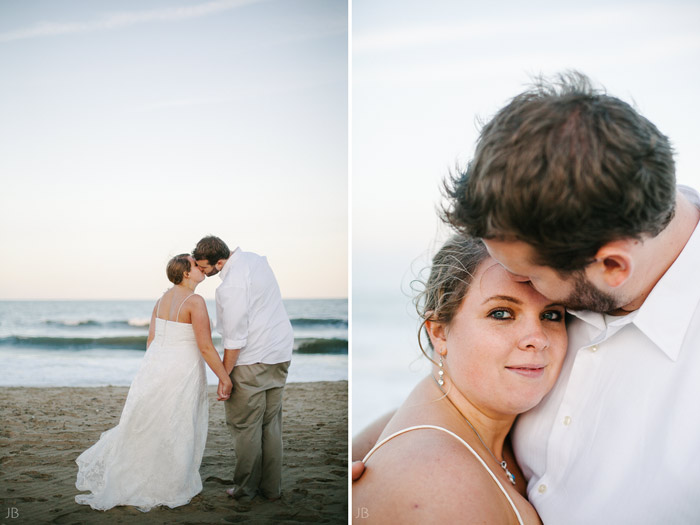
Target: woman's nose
{"points": [[534, 338]]}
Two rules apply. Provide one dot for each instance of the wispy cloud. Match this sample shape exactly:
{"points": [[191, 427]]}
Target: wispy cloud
{"points": [[123, 19]]}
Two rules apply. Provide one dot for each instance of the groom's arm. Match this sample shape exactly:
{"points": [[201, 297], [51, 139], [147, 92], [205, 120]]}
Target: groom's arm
{"points": [[232, 317], [230, 358], [365, 440]]}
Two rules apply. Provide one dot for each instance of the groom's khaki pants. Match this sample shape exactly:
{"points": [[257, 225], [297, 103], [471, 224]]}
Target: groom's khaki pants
{"points": [[254, 416]]}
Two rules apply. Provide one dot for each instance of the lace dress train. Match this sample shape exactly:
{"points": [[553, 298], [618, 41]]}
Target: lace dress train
{"points": [[152, 457]]}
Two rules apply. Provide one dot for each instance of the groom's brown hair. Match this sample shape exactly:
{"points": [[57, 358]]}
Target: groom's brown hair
{"points": [[212, 249], [565, 168]]}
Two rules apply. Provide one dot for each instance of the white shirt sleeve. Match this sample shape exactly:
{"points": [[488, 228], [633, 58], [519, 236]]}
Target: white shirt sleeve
{"points": [[232, 313]]}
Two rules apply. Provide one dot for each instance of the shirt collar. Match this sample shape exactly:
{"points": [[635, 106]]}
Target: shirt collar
{"points": [[235, 254], [666, 314], [592, 318]]}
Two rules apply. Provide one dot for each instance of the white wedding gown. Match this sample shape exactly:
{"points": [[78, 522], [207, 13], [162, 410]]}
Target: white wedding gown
{"points": [[152, 456]]}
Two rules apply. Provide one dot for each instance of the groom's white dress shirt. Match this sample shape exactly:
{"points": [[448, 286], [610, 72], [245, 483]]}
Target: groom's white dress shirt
{"points": [[617, 440], [250, 315]]}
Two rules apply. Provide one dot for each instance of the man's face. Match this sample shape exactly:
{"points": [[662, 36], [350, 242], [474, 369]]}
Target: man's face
{"points": [[207, 269], [575, 292]]}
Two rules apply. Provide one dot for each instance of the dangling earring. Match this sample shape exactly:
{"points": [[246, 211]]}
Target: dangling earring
{"points": [[441, 372]]}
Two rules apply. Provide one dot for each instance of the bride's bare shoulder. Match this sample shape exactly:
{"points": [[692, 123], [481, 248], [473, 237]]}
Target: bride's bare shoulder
{"points": [[196, 306], [427, 475], [197, 301]]}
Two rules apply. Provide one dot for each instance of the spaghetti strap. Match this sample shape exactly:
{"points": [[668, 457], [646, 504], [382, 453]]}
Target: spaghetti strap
{"points": [[474, 453], [178, 310], [158, 306]]}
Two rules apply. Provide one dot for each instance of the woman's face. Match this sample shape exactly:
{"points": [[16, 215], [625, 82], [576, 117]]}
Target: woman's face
{"points": [[195, 273], [506, 343]]}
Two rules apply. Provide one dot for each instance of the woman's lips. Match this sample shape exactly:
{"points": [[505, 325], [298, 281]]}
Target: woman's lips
{"points": [[531, 371]]}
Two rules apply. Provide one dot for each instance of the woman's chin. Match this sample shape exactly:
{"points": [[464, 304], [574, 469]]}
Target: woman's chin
{"points": [[526, 399], [532, 388]]}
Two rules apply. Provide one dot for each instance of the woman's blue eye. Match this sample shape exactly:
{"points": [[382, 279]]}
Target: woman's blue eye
{"points": [[501, 314], [553, 315]]}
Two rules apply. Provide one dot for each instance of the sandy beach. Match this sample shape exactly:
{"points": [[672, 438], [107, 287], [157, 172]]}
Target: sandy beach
{"points": [[43, 430]]}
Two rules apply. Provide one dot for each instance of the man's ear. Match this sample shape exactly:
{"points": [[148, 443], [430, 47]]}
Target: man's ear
{"points": [[613, 263], [438, 335], [220, 264]]}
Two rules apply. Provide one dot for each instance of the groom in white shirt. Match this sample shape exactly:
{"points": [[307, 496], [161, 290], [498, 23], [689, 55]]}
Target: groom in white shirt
{"points": [[258, 341], [574, 191]]}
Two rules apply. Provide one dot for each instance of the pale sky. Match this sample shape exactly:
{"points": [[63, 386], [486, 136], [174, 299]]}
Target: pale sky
{"points": [[129, 130], [422, 74]]}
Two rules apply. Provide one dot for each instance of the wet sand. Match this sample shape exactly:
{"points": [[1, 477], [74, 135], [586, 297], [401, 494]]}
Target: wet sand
{"points": [[43, 430]]}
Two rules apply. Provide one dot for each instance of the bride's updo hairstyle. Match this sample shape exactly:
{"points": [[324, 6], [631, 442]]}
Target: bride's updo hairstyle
{"points": [[451, 273], [177, 267]]}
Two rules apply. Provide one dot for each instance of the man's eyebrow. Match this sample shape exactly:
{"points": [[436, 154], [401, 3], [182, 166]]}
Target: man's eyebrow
{"points": [[502, 298]]}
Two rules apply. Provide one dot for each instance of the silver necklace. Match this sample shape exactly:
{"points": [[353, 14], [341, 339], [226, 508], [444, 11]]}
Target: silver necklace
{"points": [[503, 463]]}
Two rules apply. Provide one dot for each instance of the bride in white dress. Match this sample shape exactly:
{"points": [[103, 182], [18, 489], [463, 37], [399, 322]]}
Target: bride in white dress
{"points": [[152, 456]]}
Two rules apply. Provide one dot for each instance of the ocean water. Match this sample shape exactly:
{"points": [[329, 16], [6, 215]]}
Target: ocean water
{"points": [[386, 359], [97, 343]]}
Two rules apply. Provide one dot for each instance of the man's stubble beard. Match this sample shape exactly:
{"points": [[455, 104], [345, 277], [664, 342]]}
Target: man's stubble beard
{"points": [[586, 296]]}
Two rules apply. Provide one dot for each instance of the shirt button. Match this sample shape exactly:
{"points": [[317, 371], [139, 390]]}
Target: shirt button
{"points": [[594, 348], [567, 420], [542, 489]]}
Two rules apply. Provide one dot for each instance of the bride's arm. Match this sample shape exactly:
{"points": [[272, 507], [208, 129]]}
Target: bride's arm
{"points": [[152, 328], [202, 331]]}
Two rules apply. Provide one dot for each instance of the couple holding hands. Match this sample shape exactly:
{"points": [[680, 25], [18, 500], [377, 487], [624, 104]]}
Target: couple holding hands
{"points": [[152, 457]]}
